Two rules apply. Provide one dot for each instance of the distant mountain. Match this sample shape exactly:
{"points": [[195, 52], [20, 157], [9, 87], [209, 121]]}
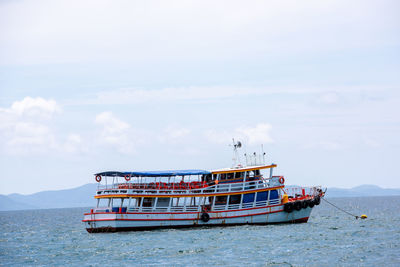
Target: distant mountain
{"points": [[76, 197], [6, 203], [362, 191], [83, 197]]}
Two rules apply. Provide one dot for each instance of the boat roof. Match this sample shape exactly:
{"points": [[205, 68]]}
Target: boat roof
{"points": [[154, 173], [243, 169]]}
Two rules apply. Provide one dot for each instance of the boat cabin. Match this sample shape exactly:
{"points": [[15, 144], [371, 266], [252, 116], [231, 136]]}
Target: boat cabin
{"points": [[187, 190]]}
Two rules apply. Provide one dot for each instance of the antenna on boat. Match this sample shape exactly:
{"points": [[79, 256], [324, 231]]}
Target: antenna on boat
{"points": [[236, 158], [263, 153]]}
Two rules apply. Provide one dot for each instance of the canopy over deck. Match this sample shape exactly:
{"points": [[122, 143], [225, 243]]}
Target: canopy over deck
{"points": [[154, 173]]}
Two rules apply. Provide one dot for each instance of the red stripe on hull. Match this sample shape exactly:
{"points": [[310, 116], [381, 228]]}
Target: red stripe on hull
{"points": [[182, 219], [194, 212]]}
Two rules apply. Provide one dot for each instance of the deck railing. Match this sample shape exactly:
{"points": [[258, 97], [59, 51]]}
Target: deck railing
{"points": [[143, 189], [297, 191]]}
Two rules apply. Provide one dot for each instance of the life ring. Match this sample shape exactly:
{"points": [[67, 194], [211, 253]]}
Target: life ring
{"points": [[205, 217], [127, 178], [282, 180], [98, 178]]}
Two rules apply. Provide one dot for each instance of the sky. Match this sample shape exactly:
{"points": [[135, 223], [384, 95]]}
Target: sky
{"points": [[90, 86]]}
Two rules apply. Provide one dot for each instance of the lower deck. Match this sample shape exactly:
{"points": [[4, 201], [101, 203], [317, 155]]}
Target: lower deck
{"points": [[100, 222], [156, 204]]}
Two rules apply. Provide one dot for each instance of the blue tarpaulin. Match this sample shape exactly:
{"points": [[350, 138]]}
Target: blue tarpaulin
{"points": [[155, 173]]}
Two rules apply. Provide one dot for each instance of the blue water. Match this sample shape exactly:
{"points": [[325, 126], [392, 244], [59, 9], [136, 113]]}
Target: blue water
{"points": [[330, 238]]}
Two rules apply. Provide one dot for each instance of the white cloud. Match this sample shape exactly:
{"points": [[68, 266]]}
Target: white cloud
{"points": [[155, 30], [257, 135], [371, 142], [260, 134], [73, 144], [35, 107], [111, 123], [116, 133], [25, 128], [173, 134], [129, 96], [328, 98], [29, 137]]}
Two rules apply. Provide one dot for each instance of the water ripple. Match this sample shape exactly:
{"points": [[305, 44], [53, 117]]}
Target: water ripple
{"points": [[330, 238]]}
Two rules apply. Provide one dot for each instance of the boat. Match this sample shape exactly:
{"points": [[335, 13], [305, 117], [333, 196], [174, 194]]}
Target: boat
{"points": [[250, 194]]}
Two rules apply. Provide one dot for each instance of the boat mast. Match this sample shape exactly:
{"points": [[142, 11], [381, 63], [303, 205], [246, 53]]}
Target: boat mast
{"points": [[236, 158]]}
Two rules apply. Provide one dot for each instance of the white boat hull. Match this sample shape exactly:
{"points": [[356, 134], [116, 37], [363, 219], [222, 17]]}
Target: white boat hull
{"points": [[113, 221]]}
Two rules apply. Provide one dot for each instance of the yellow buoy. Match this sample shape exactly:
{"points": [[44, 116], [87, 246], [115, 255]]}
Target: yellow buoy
{"points": [[363, 216], [285, 198]]}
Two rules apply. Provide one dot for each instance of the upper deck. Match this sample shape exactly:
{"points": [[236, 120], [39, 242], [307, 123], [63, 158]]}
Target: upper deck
{"points": [[184, 183]]}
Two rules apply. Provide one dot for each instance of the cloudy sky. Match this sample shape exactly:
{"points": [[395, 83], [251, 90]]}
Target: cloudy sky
{"points": [[89, 86]]}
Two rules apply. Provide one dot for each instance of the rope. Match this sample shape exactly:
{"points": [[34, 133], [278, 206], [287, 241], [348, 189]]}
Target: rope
{"points": [[340, 208]]}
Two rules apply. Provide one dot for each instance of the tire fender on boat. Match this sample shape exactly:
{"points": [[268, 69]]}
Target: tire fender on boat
{"points": [[297, 205], [304, 204], [288, 207], [311, 203], [205, 217], [317, 200]]}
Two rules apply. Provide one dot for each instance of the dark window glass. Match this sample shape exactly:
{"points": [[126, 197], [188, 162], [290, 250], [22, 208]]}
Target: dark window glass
{"points": [[248, 198], [261, 196], [234, 199], [220, 200], [274, 194]]}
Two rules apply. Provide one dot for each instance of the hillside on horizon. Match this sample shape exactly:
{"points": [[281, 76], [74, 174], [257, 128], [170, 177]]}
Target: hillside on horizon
{"points": [[83, 197]]}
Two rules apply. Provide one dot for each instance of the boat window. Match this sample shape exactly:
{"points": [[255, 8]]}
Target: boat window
{"points": [[163, 202], [223, 176], [116, 202], [262, 196], [135, 202], [256, 172], [247, 198], [206, 178], [234, 199], [147, 202], [103, 202], [214, 176], [176, 201], [273, 194], [230, 176], [239, 174], [220, 200]]}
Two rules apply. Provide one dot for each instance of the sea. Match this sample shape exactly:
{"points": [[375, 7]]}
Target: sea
{"points": [[54, 237]]}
